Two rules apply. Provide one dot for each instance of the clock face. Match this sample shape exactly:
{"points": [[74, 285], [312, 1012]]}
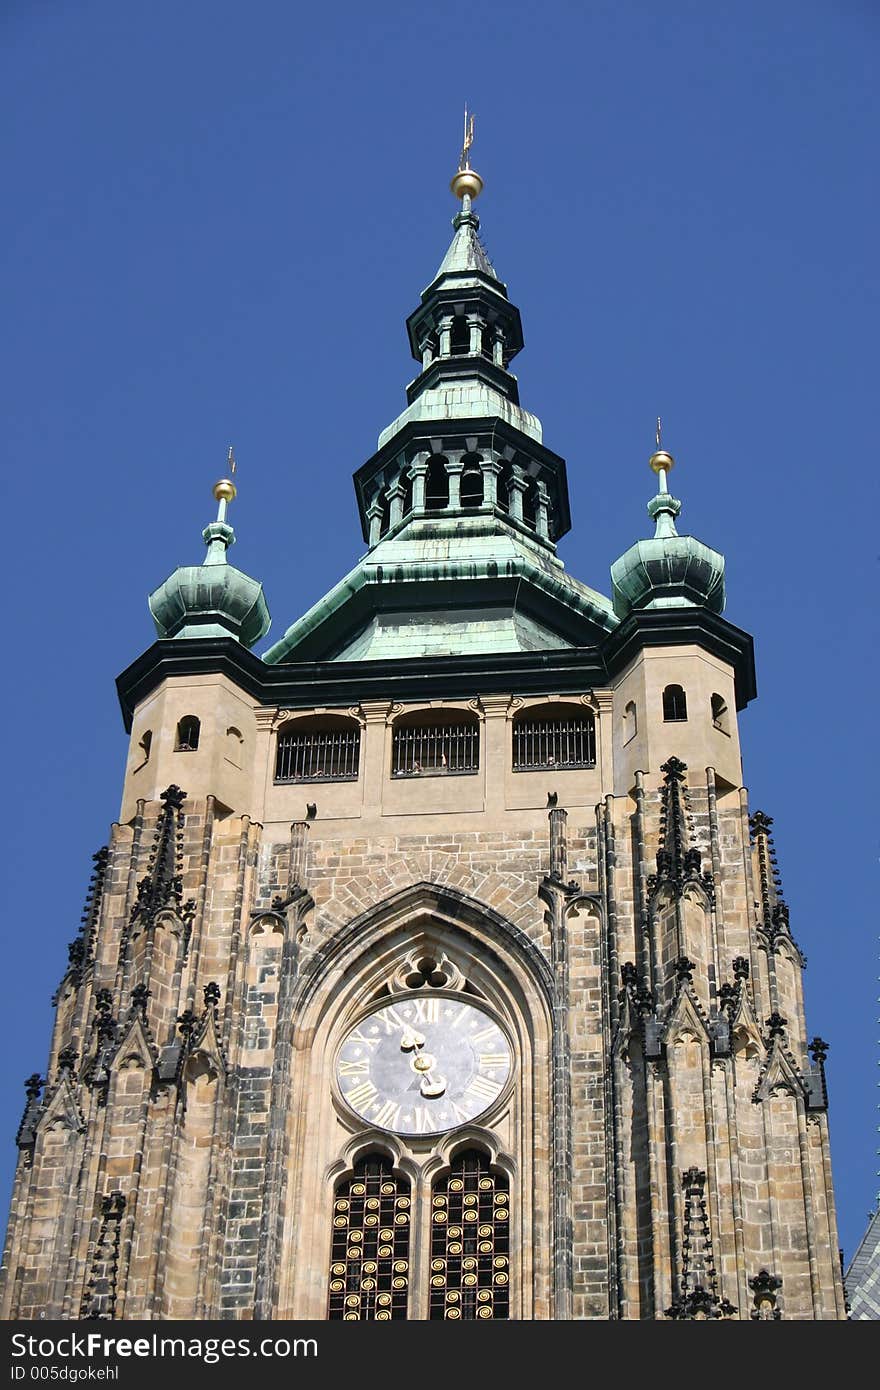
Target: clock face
{"points": [[423, 1064]]}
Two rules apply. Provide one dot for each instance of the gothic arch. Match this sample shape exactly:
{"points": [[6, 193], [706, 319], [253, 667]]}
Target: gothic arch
{"points": [[366, 1142], [469, 1137], [440, 900], [497, 962]]}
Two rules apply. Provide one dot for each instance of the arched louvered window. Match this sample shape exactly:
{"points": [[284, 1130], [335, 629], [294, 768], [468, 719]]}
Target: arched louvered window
{"points": [[460, 341], [674, 704], [554, 735], [386, 513], [369, 1261], [319, 748], [503, 488], [406, 504], [470, 1241], [528, 504], [472, 483], [188, 730], [436, 484]]}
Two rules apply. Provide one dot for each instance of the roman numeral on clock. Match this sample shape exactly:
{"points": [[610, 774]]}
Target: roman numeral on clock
{"points": [[362, 1095], [481, 1088], [486, 1033], [358, 1036], [388, 1115], [493, 1059], [359, 1067], [391, 1019], [427, 1010], [422, 1121]]}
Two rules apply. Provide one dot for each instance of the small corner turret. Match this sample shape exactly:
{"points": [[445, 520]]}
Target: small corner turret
{"points": [[669, 570], [213, 599]]}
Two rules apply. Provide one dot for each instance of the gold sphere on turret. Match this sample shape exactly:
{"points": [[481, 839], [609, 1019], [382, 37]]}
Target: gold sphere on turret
{"points": [[225, 490], [466, 182], [661, 462]]}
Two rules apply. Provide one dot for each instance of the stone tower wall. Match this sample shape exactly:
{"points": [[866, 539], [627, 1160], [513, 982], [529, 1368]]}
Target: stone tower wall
{"points": [[181, 1159]]}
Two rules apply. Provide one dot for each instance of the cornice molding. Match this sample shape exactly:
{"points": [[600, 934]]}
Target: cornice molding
{"points": [[340, 684]]}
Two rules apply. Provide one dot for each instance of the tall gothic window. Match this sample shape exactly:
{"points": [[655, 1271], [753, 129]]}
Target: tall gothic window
{"points": [[369, 1262], [470, 1241]]}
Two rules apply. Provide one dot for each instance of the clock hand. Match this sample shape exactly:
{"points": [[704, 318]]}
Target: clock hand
{"points": [[411, 1039], [430, 1085], [430, 1088]]}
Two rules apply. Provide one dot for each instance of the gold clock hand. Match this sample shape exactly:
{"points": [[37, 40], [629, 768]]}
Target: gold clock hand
{"points": [[431, 1087], [411, 1039]]}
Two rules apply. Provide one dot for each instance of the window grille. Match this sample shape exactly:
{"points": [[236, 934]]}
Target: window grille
{"points": [[674, 704], [563, 743], [369, 1261], [470, 1242], [435, 749], [318, 755]]}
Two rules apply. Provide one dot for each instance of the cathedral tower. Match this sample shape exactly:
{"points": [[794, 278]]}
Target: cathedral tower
{"points": [[436, 967]]}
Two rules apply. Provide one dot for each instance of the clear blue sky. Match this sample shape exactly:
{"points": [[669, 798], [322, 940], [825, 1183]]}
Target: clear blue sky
{"points": [[216, 218]]}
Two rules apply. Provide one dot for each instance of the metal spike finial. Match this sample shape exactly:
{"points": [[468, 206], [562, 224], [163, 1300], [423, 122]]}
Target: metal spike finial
{"points": [[660, 461], [464, 159], [225, 490], [466, 183]]}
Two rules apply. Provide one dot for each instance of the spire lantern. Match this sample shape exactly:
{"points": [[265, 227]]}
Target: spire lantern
{"points": [[465, 332]]}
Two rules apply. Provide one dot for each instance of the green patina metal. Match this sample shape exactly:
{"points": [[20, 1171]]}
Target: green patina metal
{"points": [[213, 599], [453, 579], [463, 583], [467, 254], [668, 571]]}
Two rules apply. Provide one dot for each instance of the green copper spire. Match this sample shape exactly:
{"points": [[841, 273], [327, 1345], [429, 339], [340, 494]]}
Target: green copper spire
{"points": [[466, 254], [462, 504], [669, 571], [212, 599]]}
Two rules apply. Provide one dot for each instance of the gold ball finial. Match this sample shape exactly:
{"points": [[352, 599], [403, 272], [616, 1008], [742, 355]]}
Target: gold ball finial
{"points": [[225, 490], [466, 183], [661, 462]]}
